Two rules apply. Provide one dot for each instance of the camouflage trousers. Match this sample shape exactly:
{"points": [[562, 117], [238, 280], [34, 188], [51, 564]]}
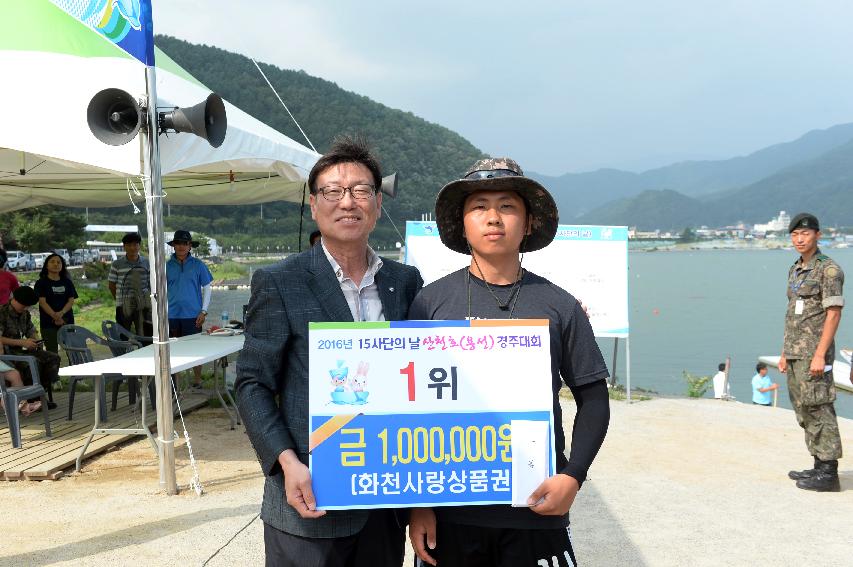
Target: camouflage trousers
{"points": [[48, 366], [812, 398]]}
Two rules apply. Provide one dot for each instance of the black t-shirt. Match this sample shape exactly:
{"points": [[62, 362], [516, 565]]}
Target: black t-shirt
{"points": [[575, 360], [56, 293]]}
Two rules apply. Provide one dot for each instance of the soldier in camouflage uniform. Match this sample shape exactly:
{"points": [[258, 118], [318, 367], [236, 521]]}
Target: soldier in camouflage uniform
{"points": [[815, 300], [18, 336]]}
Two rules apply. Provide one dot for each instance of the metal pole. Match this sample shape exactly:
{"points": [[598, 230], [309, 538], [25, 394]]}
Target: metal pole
{"points": [[628, 366], [159, 302], [613, 365]]}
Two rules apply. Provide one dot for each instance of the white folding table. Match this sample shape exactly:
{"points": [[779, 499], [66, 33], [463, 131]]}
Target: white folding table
{"points": [[184, 353]]}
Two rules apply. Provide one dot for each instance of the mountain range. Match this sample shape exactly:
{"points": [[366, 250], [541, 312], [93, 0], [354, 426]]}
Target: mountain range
{"points": [[813, 172], [809, 173]]}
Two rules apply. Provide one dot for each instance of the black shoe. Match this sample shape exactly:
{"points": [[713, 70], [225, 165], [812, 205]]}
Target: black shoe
{"points": [[825, 478], [51, 405], [808, 473]]}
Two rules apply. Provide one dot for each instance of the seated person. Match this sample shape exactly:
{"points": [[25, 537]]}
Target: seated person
{"points": [[13, 380], [762, 385], [720, 381], [18, 336]]}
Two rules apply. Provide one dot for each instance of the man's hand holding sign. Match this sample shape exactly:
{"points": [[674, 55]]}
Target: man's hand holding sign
{"points": [[434, 426]]}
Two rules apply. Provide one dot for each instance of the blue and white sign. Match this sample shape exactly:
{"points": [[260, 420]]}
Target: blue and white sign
{"points": [[422, 413], [590, 262]]}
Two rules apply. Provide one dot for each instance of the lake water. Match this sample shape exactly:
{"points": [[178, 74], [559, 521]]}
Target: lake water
{"points": [[689, 310]]}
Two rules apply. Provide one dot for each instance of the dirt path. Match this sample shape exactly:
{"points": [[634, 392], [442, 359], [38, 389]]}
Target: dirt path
{"points": [[678, 482]]}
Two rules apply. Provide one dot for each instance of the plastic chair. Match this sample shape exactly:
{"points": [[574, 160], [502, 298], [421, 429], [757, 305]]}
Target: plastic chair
{"points": [[74, 340], [115, 332], [12, 396]]}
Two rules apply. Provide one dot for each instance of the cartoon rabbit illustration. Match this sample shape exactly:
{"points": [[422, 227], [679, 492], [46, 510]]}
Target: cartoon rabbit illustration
{"points": [[359, 381]]}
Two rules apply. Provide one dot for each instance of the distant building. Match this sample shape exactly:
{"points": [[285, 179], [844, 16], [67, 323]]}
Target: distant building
{"points": [[124, 228], [779, 224]]}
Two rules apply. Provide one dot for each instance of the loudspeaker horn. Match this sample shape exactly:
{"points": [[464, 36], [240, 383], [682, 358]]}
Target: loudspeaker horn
{"points": [[389, 185], [114, 117], [206, 120]]}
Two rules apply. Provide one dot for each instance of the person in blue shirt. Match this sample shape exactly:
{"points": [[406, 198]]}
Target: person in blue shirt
{"points": [[188, 289], [762, 385]]}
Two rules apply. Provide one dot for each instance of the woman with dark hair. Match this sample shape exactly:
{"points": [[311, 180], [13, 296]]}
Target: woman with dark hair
{"points": [[56, 295]]}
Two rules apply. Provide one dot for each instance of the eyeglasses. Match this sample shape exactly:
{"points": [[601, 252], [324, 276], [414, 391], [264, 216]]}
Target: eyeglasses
{"points": [[360, 192], [491, 173]]}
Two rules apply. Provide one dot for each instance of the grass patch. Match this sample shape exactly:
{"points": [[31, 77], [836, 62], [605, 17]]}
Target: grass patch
{"points": [[229, 270], [93, 305], [697, 386], [617, 393]]}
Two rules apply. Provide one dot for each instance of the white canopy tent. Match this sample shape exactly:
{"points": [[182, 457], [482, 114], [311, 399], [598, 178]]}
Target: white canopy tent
{"points": [[54, 64]]}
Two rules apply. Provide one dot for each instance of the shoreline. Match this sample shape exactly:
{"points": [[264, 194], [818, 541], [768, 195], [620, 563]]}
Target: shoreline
{"points": [[717, 244]]}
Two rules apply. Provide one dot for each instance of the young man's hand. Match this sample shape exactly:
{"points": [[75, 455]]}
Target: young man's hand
{"points": [[817, 365], [297, 486], [422, 533], [782, 364], [554, 496]]}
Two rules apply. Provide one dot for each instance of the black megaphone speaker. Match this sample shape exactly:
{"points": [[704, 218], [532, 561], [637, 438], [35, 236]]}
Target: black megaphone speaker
{"points": [[389, 185], [114, 117], [206, 120]]}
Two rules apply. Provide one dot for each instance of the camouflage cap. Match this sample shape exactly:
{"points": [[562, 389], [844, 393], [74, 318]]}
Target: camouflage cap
{"points": [[804, 220], [495, 174]]}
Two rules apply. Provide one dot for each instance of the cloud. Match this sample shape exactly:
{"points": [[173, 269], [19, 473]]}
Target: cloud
{"points": [[563, 85]]}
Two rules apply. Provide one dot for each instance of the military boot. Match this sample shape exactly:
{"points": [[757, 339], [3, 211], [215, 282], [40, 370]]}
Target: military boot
{"points": [[797, 475], [825, 478]]}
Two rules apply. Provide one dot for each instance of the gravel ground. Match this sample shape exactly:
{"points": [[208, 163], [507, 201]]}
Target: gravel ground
{"points": [[678, 482]]}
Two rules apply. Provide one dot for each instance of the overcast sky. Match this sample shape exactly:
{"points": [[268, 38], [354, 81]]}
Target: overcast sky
{"points": [[567, 85]]}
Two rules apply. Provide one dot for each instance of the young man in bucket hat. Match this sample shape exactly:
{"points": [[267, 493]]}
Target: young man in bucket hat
{"points": [[494, 214]]}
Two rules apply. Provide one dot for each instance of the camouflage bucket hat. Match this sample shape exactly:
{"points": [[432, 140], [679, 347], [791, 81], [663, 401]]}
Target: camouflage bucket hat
{"points": [[495, 174]]}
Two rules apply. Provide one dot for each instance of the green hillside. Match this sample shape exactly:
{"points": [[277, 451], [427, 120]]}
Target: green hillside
{"points": [[823, 185], [577, 194], [650, 210], [425, 155]]}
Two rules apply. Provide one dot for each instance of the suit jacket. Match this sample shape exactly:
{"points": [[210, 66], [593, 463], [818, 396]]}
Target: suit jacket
{"points": [[274, 362]]}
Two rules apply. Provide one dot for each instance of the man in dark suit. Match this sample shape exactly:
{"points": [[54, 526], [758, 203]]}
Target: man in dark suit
{"points": [[340, 280]]}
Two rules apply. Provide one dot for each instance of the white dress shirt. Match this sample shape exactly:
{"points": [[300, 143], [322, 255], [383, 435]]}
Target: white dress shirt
{"points": [[363, 300]]}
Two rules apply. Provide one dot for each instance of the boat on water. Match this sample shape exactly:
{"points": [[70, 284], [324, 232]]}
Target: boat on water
{"points": [[840, 369]]}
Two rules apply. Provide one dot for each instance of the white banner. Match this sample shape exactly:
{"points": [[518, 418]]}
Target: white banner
{"points": [[590, 262]]}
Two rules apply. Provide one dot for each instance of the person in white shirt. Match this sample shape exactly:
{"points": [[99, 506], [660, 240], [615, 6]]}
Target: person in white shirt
{"points": [[720, 386]]}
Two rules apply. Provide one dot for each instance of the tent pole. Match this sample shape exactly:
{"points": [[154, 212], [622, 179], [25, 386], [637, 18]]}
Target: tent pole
{"points": [[628, 366], [159, 302]]}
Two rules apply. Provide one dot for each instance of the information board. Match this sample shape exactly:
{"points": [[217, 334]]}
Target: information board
{"points": [[423, 412], [590, 262]]}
